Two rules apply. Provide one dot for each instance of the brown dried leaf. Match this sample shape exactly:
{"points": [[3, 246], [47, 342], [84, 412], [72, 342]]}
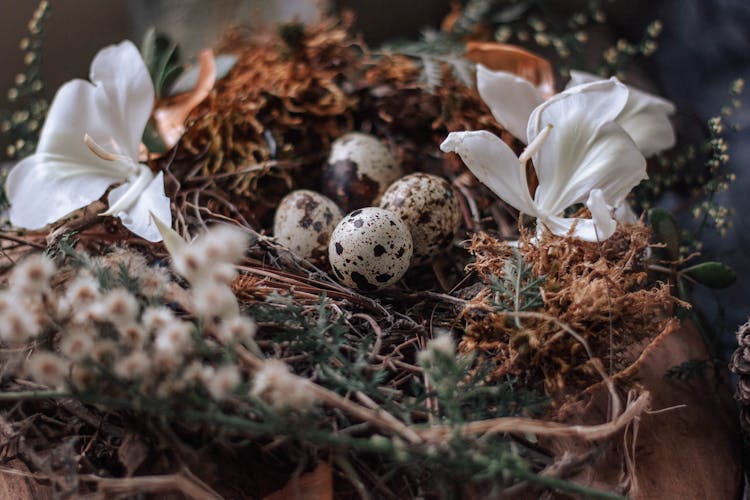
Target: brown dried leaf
{"points": [[17, 482], [132, 452], [691, 449], [315, 485], [170, 120], [521, 62]]}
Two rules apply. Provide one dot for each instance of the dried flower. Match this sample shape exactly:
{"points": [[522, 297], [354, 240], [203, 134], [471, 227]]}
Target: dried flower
{"points": [[33, 273], [133, 334], [82, 377], [18, 325], [212, 300], [76, 345], [156, 318], [82, 290], [118, 306], [281, 389], [134, 365], [48, 369], [237, 329], [174, 339], [224, 382]]}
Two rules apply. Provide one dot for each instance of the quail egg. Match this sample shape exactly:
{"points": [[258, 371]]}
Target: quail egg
{"points": [[429, 206], [304, 222], [370, 249], [359, 169]]}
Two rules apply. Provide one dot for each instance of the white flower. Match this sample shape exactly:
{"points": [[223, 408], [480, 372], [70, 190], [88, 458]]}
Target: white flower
{"points": [[579, 153], [512, 99], [89, 142], [645, 116]]}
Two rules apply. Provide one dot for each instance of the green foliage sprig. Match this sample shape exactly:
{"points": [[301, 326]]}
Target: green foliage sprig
{"points": [[22, 126]]}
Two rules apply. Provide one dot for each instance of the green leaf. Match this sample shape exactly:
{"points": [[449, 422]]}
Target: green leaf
{"points": [[189, 78], [666, 230], [712, 274], [162, 59], [151, 138]]}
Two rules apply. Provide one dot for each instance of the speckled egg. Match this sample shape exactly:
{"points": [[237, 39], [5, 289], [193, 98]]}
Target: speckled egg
{"points": [[304, 222], [370, 249], [358, 171], [429, 206]]}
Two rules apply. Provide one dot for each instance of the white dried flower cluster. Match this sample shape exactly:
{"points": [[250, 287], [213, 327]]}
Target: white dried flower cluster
{"points": [[208, 264], [442, 346], [124, 332], [24, 305], [275, 385]]}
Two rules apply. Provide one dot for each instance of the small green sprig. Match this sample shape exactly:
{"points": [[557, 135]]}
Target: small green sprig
{"points": [[22, 126], [618, 56]]}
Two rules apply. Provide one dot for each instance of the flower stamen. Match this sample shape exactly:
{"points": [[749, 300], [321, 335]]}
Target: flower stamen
{"points": [[535, 145]]}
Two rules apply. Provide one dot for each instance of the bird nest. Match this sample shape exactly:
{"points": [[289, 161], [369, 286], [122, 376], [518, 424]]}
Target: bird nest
{"points": [[331, 391]]}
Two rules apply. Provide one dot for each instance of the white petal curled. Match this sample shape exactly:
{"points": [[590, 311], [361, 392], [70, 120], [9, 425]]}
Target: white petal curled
{"points": [[511, 99], [645, 117], [138, 216], [494, 164], [38, 199]]}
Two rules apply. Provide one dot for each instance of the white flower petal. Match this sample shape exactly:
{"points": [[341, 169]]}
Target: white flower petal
{"points": [[646, 119], [125, 100], [596, 103], [38, 199], [645, 116], [137, 218], [609, 161], [74, 111], [511, 99], [583, 229], [601, 214], [494, 164], [624, 213], [585, 149], [172, 239]]}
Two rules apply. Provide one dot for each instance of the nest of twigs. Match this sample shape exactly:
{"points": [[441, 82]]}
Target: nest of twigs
{"points": [[540, 322]]}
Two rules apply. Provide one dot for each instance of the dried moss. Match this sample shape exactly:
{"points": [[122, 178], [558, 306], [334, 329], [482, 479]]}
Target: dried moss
{"points": [[600, 290]]}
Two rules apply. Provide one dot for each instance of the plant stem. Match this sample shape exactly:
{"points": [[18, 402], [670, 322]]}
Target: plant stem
{"points": [[562, 485]]}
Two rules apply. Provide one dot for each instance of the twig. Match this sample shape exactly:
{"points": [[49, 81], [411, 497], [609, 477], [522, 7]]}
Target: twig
{"points": [[519, 425], [379, 418], [183, 481]]}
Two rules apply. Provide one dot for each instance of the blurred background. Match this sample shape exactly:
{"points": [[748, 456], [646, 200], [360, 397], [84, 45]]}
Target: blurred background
{"points": [[705, 45]]}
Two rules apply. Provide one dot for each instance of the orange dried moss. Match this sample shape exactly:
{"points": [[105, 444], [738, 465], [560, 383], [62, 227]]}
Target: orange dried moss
{"points": [[266, 127], [601, 290], [283, 99]]}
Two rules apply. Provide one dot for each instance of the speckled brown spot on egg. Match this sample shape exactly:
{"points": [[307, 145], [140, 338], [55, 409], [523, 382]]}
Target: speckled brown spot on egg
{"points": [[304, 222], [358, 170], [429, 207], [362, 251]]}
